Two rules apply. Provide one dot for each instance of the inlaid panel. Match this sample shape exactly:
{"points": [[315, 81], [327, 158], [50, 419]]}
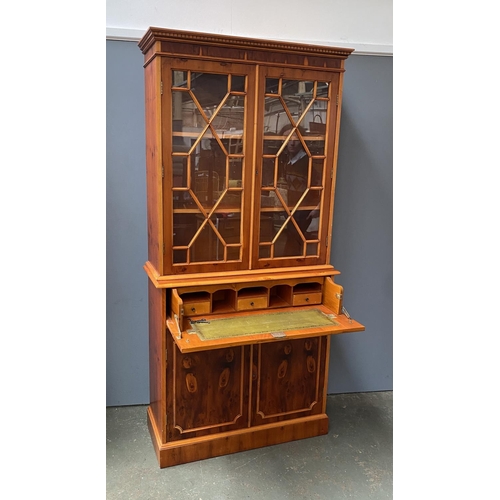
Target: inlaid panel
{"points": [[208, 392], [288, 379]]}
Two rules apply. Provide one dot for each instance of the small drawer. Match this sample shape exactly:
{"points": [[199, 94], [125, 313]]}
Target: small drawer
{"points": [[248, 303], [195, 308], [304, 299]]}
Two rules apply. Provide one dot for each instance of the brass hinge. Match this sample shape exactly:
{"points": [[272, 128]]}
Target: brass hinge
{"points": [[161, 88], [331, 173], [162, 171], [337, 100], [347, 315]]}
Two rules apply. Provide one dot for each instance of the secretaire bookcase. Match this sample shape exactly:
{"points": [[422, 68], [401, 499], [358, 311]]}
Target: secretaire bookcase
{"points": [[241, 157]]}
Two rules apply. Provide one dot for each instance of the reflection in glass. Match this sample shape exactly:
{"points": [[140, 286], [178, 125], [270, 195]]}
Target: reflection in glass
{"points": [[238, 83], [272, 85], [312, 249], [317, 173], [322, 89], [275, 116], [235, 172], [209, 89], [180, 256], [207, 246], [179, 78], [185, 226]]}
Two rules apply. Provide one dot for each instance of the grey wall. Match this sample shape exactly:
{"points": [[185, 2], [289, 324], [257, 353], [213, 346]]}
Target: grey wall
{"points": [[127, 350], [362, 235], [362, 227]]}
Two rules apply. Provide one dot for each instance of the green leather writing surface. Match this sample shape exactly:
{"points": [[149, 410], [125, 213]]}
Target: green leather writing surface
{"points": [[238, 325]]}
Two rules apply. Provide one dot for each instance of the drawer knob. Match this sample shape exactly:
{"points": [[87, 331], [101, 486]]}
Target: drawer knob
{"points": [[307, 299], [193, 309], [252, 303]]}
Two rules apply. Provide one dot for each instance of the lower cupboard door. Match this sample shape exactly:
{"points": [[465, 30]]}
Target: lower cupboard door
{"points": [[207, 392], [289, 379]]}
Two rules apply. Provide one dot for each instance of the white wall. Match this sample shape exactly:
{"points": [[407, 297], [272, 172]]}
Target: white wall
{"points": [[364, 25]]}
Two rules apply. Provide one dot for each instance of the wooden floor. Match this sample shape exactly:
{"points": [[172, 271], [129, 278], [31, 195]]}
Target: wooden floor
{"points": [[354, 460]]}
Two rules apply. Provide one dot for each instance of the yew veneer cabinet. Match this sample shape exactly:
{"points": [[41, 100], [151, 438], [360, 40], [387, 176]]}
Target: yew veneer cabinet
{"points": [[241, 157]]}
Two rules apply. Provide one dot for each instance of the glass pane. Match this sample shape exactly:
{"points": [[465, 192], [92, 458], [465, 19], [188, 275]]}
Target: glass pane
{"points": [[289, 243], [316, 145], [316, 122], [208, 170], [296, 170], [179, 171], [233, 253], [187, 122], [298, 88], [185, 227], [272, 85], [275, 116], [272, 143], [180, 256], [312, 199], [322, 89], [297, 95], [179, 78], [183, 200], [268, 228], [317, 173], [268, 172], [228, 123], [230, 199], [209, 89], [273, 198], [264, 251], [303, 220], [229, 227], [207, 246], [312, 249], [237, 83], [235, 173]]}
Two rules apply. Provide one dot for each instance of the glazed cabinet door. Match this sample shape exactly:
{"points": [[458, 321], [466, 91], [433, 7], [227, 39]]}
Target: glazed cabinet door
{"points": [[296, 147], [208, 134]]}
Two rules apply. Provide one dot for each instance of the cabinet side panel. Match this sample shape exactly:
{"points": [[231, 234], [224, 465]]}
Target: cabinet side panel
{"points": [[153, 164], [157, 360]]}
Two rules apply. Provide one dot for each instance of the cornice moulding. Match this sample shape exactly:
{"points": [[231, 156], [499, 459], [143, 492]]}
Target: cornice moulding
{"points": [[135, 35]]}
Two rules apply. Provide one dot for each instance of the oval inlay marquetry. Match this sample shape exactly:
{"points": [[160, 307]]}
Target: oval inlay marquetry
{"points": [[191, 384], [282, 368], [224, 377], [311, 364]]}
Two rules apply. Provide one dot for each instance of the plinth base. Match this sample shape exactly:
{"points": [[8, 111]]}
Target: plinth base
{"points": [[225, 443]]}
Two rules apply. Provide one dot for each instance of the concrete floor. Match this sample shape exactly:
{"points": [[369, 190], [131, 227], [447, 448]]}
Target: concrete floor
{"points": [[354, 460]]}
